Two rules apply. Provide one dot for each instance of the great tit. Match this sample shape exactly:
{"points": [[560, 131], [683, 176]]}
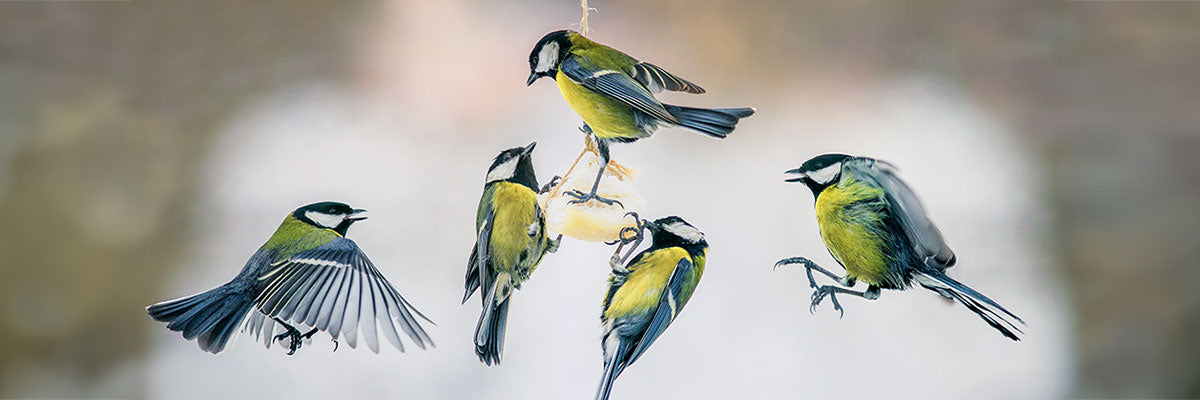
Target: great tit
{"points": [[648, 292], [511, 240], [308, 273], [612, 92], [876, 228]]}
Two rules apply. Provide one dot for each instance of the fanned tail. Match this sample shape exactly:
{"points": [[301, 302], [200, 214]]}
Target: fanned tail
{"points": [[211, 317], [715, 122], [991, 312]]}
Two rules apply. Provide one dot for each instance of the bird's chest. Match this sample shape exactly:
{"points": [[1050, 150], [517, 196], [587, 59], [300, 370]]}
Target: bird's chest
{"points": [[513, 248], [607, 117], [850, 224]]}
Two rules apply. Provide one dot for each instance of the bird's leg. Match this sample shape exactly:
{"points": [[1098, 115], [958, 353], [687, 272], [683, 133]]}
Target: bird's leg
{"points": [[818, 295], [580, 197], [809, 266], [294, 334]]}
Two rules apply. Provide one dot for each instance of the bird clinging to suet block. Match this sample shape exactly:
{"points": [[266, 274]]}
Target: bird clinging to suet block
{"points": [[511, 240], [876, 228], [647, 293], [613, 93]]}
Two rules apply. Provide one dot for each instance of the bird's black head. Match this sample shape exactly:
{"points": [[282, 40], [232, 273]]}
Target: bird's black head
{"points": [[674, 231], [330, 215], [514, 165], [547, 54], [819, 172]]}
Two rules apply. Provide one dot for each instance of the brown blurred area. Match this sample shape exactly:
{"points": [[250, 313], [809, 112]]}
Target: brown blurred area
{"points": [[108, 109]]}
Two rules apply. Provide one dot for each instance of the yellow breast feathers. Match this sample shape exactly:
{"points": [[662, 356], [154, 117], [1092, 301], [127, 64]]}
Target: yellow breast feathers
{"points": [[645, 283], [514, 210], [849, 223], [608, 118]]}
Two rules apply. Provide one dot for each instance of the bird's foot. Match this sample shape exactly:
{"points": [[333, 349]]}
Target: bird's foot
{"points": [[553, 244], [819, 295], [581, 197], [550, 185], [335, 344], [296, 338], [809, 267], [585, 129]]}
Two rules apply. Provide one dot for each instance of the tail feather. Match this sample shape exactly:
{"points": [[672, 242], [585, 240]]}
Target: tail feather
{"points": [[489, 333], [715, 122], [991, 312], [211, 317], [612, 369]]}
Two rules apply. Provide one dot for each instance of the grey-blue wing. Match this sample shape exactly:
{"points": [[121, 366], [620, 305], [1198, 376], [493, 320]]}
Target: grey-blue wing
{"points": [[335, 288], [926, 239], [619, 86]]}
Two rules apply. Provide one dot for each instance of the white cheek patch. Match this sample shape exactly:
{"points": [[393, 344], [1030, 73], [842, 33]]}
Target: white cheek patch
{"points": [[325, 220], [688, 233], [503, 171], [826, 175], [547, 58]]}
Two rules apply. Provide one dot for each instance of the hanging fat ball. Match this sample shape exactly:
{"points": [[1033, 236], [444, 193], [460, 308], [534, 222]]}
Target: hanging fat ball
{"points": [[511, 240], [876, 228], [593, 221], [613, 93], [646, 293], [307, 274]]}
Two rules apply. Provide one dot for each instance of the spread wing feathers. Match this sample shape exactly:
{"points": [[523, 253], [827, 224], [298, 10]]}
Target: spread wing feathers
{"points": [[657, 79], [618, 85], [926, 238], [335, 288], [668, 308]]}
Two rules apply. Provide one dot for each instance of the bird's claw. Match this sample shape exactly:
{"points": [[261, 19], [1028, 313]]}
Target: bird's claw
{"points": [[550, 185], [581, 197], [819, 295], [808, 268], [639, 227], [335, 343]]}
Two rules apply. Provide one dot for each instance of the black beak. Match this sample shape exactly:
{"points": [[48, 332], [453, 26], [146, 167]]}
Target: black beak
{"points": [[357, 215], [533, 76], [795, 171], [529, 148]]}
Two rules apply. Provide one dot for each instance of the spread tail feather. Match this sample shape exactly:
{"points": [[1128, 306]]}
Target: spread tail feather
{"points": [[211, 317], [489, 333], [715, 122], [991, 312]]}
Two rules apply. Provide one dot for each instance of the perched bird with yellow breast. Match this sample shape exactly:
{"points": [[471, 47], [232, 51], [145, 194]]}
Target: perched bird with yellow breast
{"points": [[613, 93], [511, 240]]}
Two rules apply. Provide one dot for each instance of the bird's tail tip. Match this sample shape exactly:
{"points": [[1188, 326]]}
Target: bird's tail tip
{"points": [[715, 122], [991, 312]]}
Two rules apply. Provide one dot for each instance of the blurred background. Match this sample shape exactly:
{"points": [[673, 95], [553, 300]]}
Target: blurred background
{"points": [[147, 148]]}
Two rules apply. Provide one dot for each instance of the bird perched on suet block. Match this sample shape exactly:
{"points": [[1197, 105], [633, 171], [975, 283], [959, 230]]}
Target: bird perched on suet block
{"points": [[511, 240], [613, 93]]}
